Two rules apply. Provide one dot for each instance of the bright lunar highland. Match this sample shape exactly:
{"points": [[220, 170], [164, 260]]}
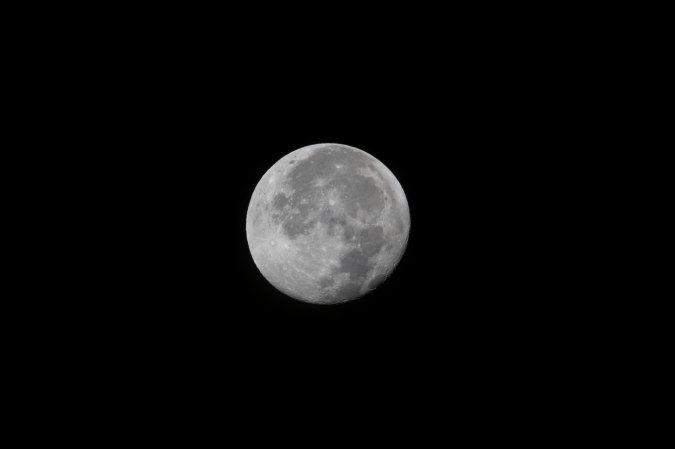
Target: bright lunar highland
{"points": [[327, 223]]}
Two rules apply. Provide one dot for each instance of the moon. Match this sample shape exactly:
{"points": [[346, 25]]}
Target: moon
{"points": [[327, 224]]}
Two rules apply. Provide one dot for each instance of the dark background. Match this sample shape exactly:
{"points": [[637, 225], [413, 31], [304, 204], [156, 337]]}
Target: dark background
{"points": [[167, 129], [474, 152]]}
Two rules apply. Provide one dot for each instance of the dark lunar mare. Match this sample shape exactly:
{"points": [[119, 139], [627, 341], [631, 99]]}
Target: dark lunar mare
{"points": [[356, 191], [357, 264], [280, 201]]}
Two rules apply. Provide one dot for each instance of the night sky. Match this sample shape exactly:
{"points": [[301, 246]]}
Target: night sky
{"points": [[175, 139]]}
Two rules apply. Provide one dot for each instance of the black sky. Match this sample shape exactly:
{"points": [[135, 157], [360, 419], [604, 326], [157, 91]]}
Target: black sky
{"points": [[465, 144], [178, 130]]}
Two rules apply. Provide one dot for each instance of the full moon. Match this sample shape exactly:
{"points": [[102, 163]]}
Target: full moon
{"points": [[327, 223]]}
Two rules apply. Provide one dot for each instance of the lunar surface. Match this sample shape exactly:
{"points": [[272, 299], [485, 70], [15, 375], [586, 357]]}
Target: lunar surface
{"points": [[327, 224]]}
